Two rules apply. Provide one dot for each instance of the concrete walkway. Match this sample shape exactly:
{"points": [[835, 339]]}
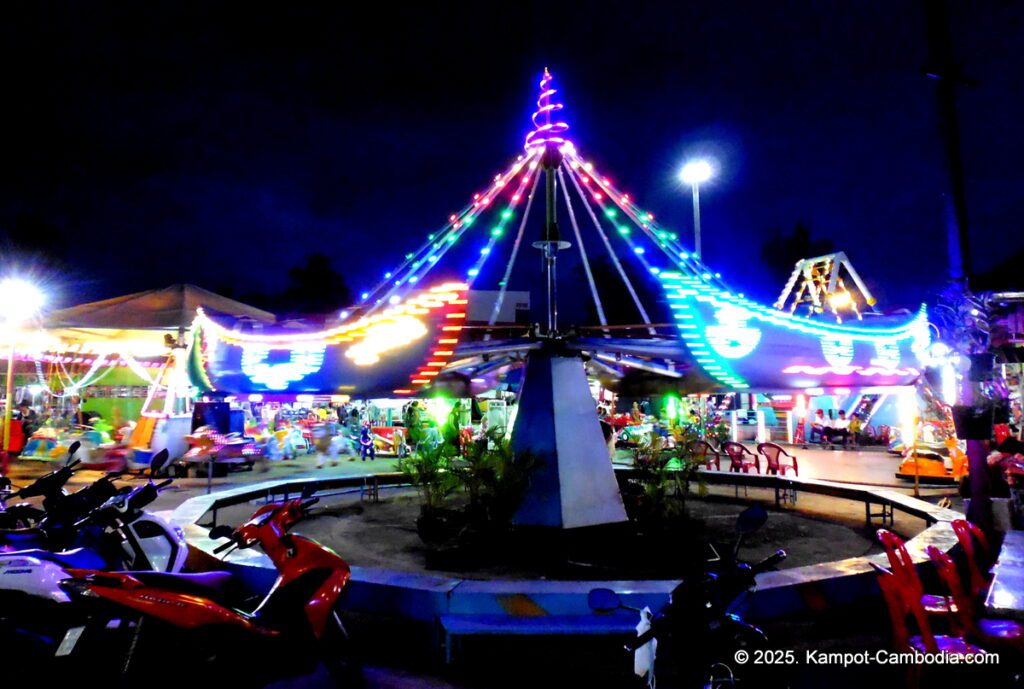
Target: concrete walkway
{"points": [[864, 467]]}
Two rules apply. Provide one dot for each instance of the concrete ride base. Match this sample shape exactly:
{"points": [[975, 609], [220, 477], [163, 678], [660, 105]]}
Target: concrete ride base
{"points": [[573, 484], [426, 599]]}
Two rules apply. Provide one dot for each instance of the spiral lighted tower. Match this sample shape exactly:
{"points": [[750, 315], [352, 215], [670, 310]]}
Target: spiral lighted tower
{"points": [[546, 140]]}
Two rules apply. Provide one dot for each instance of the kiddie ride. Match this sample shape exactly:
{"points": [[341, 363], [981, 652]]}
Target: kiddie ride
{"points": [[933, 463], [212, 452], [99, 446], [702, 619], [194, 614]]}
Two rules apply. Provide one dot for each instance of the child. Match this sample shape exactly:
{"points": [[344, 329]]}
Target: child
{"points": [[366, 442]]}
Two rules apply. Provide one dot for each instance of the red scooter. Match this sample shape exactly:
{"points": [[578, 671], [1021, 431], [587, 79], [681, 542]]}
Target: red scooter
{"points": [[191, 616]]}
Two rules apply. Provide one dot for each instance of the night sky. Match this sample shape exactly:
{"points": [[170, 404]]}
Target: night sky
{"points": [[154, 143]]}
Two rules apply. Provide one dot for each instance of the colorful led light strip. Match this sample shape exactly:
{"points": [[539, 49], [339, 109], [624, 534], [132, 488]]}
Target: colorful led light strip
{"points": [[693, 328], [664, 239], [498, 231], [418, 263], [371, 336], [685, 291]]}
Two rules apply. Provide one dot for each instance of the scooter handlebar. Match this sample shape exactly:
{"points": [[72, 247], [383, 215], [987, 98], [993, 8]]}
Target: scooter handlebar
{"points": [[221, 548], [770, 561], [639, 641]]}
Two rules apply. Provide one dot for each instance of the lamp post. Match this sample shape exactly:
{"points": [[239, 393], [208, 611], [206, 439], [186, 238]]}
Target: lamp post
{"points": [[20, 300], [695, 173]]}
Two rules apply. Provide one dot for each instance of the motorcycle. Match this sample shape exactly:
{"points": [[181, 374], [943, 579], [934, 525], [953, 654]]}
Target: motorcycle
{"points": [[50, 487], [298, 619], [701, 620], [117, 534]]}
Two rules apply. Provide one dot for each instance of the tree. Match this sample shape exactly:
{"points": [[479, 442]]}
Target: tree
{"points": [[781, 252], [315, 287]]}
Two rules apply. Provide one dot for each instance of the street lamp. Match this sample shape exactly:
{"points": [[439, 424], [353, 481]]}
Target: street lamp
{"points": [[20, 300], [695, 173]]}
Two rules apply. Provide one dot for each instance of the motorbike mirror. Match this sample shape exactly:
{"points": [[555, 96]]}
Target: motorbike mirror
{"points": [[158, 461], [751, 519], [603, 600], [72, 449], [221, 531]]}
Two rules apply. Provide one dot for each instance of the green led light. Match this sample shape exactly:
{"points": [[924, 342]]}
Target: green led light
{"points": [[416, 264], [467, 222], [623, 229], [430, 237], [451, 238], [408, 256], [663, 235], [610, 212], [673, 236], [506, 214], [497, 232]]}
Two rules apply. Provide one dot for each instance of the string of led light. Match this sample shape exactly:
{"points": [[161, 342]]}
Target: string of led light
{"points": [[437, 244], [611, 252], [498, 231], [665, 239], [503, 284]]}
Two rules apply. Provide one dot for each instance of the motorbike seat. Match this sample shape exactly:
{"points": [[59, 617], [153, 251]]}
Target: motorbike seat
{"points": [[200, 583], [14, 537], [79, 558]]}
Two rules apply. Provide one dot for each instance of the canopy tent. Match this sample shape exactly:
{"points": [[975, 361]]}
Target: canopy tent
{"points": [[169, 308]]}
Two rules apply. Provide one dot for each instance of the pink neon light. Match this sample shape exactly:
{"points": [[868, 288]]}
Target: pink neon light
{"points": [[850, 370], [545, 131]]}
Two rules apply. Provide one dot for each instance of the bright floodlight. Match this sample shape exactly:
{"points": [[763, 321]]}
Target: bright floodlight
{"points": [[20, 300], [696, 172]]}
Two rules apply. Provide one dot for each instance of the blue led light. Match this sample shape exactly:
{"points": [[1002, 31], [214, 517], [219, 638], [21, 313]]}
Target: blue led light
{"points": [[365, 296], [486, 250], [472, 271], [387, 276], [638, 250]]}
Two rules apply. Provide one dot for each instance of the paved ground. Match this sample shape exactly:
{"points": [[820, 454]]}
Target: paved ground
{"points": [[867, 467]]}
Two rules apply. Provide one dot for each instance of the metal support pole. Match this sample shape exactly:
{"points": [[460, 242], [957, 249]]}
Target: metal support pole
{"points": [[550, 254], [8, 406], [696, 220]]}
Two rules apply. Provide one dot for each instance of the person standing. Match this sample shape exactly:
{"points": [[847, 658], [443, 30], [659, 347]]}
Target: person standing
{"points": [[366, 442]]}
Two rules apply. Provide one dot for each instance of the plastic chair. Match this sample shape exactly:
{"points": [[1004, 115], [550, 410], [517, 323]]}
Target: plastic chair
{"points": [[705, 453], [772, 454], [988, 631], [901, 608], [977, 557], [906, 575], [738, 454]]}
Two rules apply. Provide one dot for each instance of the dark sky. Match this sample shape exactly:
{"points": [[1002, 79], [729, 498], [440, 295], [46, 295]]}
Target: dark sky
{"points": [[220, 143]]}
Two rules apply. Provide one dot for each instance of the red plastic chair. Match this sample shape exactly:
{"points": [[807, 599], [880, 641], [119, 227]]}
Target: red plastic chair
{"points": [[773, 454], [978, 558], [738, 454], [901, 608], [906, 575], [705, 453], [987, 631]]}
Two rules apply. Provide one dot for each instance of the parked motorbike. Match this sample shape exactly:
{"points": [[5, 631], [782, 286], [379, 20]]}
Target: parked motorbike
{"points": [[701, 621], [298, 619], [50, 487], [118, 534]]}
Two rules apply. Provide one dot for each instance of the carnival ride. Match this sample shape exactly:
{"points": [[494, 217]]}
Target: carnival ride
{"points": [[686, 323], [673, 318]]}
